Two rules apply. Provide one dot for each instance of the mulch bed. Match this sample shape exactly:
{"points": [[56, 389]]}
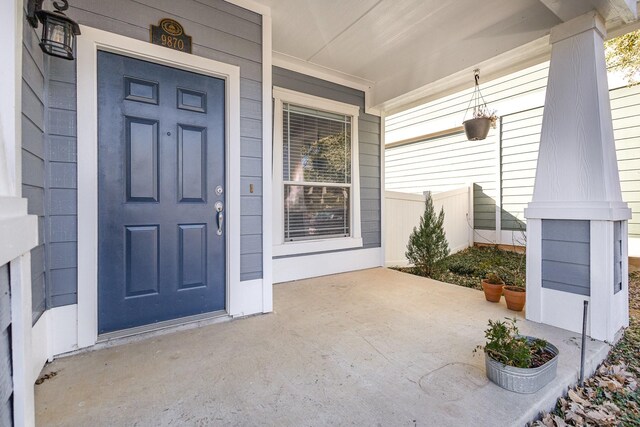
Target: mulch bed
{"points": [[468, 267]]}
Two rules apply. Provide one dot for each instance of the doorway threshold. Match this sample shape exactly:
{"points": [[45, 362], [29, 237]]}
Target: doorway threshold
{"points": [[160, 328]]}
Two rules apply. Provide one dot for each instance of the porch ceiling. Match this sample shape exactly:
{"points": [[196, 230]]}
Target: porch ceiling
{"points": [[410, 47]]}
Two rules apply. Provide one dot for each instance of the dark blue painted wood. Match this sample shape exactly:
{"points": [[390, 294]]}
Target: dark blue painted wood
{"points": [[159, 163]]}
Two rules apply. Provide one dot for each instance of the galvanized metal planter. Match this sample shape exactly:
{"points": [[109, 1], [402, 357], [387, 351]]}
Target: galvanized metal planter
{"points": [[523, 380]]}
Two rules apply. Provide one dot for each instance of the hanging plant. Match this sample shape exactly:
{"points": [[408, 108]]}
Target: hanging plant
{"points": [[477, 128]]}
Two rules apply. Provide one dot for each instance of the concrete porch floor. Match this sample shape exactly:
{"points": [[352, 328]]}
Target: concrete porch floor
{"points": [[374, 347]]}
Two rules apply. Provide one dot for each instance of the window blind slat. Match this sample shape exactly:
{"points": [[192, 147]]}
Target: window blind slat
{"points": [[317, 151], [316, 212]]}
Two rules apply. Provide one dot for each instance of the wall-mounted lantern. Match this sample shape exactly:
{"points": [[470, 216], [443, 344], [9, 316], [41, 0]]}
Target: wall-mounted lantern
{"points": [[58, 31]]}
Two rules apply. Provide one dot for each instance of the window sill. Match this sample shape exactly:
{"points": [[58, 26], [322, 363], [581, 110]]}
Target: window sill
{"points": [[326, 245]]}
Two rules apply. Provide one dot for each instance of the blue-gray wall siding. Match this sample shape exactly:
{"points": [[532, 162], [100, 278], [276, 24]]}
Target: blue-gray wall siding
{"points": [[566, 255], [220, 31], [6, 367], [34, 156], [61, 205], [369, 144]]}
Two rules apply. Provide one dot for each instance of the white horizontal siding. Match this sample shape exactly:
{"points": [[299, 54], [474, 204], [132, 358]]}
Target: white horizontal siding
{"points": [[520, 143], [445, 162], [508, 94], [518, 160], [625, 112]]}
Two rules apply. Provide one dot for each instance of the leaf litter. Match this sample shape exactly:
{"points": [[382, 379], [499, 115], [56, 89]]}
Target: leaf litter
{"points": [[611, 397]]}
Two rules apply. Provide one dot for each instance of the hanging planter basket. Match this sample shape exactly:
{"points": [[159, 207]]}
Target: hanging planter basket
{"points": [[477, 127]]}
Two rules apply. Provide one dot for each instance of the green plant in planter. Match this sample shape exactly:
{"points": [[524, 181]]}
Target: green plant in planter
{"points": [[493, 279], [512, 278], [506, 345]]}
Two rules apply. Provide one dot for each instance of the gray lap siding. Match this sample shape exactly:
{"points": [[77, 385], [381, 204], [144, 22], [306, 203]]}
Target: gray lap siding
{"points": [[220, 31], [34, 179]]}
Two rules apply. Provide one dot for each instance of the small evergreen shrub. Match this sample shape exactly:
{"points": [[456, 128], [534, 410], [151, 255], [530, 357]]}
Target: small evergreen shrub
{"points": [[428, 243]]}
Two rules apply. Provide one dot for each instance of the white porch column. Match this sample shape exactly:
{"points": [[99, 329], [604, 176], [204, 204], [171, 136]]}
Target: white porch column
{"points": [[18, 231], [574, 223]]}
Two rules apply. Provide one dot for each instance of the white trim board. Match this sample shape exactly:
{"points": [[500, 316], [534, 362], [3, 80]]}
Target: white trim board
{"points": [[91, 41], [11, 20], [19, 231], [22, 341], [301, 66], [55, 333], [40, 343], [267, 135], [63, 323], [563, 310], [267, 163], [383, 214], [307, 266]]}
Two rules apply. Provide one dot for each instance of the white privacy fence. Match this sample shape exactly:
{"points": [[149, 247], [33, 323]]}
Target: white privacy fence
{"points": [[403, 212]]}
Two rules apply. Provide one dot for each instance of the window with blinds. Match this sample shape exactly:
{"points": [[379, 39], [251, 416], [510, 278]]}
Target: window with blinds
{"points": [[317, 174]]}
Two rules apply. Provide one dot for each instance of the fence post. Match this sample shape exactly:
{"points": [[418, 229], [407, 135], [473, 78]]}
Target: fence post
{"points": [[470, 218]]}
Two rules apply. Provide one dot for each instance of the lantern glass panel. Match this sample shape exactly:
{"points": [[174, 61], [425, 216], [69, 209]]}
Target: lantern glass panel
{"points": [[56, 32], [57, 37]]}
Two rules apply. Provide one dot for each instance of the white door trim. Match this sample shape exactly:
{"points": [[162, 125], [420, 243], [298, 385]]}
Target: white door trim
{"points": [[89, 43]]}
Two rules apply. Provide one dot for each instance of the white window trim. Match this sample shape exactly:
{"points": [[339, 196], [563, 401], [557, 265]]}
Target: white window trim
{"points": [[280, 247]]}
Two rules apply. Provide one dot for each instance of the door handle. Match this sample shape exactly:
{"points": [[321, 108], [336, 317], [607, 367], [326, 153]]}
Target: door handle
{"points": [[219, 216]]}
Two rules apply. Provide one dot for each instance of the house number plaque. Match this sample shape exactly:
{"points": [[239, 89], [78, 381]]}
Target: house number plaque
{"points": [[169, 33]]}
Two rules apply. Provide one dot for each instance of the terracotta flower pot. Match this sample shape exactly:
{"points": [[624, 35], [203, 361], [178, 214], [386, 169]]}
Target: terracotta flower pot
{"points": [[515, 297], [492, 292]]}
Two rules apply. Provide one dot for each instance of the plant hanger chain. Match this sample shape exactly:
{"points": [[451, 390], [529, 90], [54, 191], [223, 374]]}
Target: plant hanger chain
{"points": [[479, 104]]}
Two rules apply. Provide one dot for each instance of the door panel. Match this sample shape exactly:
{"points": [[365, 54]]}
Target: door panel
{"points": [[142, 159], [193, 255], [192, 165], [142, 261], [161, 134]]}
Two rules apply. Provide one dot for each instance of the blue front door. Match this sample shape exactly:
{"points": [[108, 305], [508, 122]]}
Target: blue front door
{"points": [[161, 138]]}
